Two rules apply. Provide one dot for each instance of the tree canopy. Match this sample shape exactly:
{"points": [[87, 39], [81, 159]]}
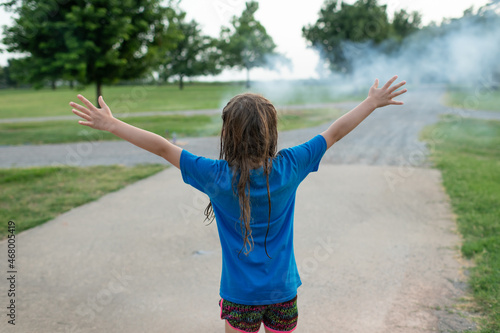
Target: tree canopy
{"points": [[195, 54], [247, 44], [38, 31], [91, 41], [341, 25]]}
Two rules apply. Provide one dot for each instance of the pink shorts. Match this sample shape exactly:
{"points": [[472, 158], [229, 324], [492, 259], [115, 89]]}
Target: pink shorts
{"points": [[280, 317]]}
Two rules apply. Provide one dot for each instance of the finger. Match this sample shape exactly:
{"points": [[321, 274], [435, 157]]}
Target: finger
{"points": [[397, 93], [391, 81], [85, 123], [396, 102], [81, 114], [80, 108], [102, 104], [86, 102], [397, 86], [375, 85]]}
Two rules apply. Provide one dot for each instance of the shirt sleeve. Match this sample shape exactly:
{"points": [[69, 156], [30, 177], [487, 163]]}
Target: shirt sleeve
{"points": [[306, 157], [197, 171]]}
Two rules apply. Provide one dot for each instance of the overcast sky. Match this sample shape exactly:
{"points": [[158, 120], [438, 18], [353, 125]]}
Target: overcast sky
{"points": [[284, 19]]}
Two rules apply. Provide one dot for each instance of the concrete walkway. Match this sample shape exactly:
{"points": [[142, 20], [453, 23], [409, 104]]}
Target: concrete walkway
{"points": [[375, 242], [372, 259]]}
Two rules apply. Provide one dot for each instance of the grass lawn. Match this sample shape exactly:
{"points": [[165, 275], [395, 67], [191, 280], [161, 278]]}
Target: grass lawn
{"points": [[32, 196], [199, 125], [472, 99], [467, 151], [20, 103]]}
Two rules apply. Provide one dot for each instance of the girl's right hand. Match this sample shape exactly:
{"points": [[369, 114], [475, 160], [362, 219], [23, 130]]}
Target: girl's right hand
{"points": [[100, 119], [384, 96]]}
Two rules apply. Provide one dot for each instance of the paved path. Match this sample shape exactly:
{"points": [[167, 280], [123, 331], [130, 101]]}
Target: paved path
{"points": [[372, 258], [375, 243]]}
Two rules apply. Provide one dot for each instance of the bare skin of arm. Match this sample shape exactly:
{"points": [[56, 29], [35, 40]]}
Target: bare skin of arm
{"points": [[377, 97], [102, 119]]}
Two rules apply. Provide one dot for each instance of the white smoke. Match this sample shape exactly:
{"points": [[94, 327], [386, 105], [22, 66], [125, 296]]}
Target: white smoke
{"points": [[458, 52]]}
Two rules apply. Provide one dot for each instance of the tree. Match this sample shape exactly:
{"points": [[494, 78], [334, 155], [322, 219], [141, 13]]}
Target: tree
{"points": [[247, 45], [344, 31], [363, 21], [19, 71], [6, 80], [91, 41], [404, 23], [194, 55], [38, 31], [11, 76]]}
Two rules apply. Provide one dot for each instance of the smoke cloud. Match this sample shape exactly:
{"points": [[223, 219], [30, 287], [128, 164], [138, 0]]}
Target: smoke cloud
{"points": [[458, 52]]}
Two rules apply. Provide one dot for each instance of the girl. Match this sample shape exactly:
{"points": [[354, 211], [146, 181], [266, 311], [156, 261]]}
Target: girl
{"points": [[252, 197]]}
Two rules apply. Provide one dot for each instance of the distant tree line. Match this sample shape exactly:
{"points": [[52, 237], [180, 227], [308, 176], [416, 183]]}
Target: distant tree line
{"points": [[81, 42], [103, 42]]}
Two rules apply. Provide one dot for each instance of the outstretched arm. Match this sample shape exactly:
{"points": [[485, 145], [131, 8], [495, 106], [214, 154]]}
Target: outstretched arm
{"points": [[377, 97], [102, 119]]}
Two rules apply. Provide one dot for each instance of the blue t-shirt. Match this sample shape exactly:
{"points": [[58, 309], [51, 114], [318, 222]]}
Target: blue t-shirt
{"points": [[255, 279]]}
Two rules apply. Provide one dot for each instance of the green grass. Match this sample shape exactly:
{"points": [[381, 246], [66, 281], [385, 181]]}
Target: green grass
{"points": [[71, 131], [17, 103], [32, 196], [295, 119], [23, 103], [199, 125], [473, 99], [467, 151]]}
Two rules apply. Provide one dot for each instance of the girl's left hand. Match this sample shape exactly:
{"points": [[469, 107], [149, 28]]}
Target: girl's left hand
{"points": [[384, 96], [101, 119]]}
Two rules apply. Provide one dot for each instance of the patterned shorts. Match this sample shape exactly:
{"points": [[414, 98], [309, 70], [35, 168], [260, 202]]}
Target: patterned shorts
{"points": [[280, 317]]}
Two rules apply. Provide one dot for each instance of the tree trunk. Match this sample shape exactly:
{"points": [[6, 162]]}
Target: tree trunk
{"points": [[53, 84], [181, 82], [248, 77], [163, 78], [98, 85], [71, 84]]}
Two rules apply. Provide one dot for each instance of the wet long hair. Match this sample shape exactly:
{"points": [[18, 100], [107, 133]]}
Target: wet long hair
{"points": [[249, 139]]}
